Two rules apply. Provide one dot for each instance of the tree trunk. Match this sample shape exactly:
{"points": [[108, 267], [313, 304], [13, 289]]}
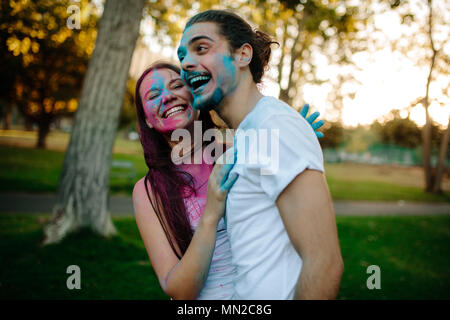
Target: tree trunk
{"points": [[437, 187], [84, 184], [426, 149], [284, 95], [28, 124], [7, 117], [426, 136], [43, 130]]}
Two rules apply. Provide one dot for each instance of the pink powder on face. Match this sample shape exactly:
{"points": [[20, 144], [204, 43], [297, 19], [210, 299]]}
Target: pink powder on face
{"points": [[158, 94], [177, 121]]}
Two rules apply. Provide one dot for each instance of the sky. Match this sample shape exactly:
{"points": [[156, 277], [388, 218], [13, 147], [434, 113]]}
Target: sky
{"points": [[387, 80]]}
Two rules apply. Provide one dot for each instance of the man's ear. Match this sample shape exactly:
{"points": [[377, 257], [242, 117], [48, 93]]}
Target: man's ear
{"points": [[244, 55]]}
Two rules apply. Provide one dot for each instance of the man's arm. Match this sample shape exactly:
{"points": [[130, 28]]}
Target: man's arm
{"points": [[307, 212]]}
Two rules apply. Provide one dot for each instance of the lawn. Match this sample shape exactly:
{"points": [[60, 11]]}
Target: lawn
{"points": [[32, 170], [413, 254]]}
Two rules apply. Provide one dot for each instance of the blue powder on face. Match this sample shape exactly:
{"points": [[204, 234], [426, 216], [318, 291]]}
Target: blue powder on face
{"points": [[217, 96]]}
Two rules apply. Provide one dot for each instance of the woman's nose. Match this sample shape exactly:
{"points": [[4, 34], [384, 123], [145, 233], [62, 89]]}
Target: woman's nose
{"points": [[167, 96]]}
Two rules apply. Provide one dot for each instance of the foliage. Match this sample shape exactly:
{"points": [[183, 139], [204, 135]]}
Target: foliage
{"points": [[404, 132], [359, 138], [311, 30], [128, 115], [45, 59], [401, 131], [427, 45], [333, 134], [306, 30]]}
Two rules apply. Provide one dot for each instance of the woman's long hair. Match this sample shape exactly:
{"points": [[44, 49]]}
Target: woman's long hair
{"points": [[169, 185]]}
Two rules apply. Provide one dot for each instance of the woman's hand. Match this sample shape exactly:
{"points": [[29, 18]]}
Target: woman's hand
{"points": [[219, 183], [315, 125]]}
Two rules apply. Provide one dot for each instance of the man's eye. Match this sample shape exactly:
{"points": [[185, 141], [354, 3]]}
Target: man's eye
{"points": [[201, 48]]}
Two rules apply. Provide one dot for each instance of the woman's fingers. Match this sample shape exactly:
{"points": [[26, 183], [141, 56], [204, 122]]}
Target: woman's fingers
{"points": [[229, 182], [304, 110], [313, 117], [317, 125], [222, 176]]}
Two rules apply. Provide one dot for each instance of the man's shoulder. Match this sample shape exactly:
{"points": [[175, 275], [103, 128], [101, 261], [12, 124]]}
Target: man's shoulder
{"points": [[269, 110]]}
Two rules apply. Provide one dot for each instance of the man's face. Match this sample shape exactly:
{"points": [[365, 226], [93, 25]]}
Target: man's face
{"points": [[208, 68]]}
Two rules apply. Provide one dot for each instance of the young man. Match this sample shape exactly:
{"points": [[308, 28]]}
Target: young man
{"points": [[280, 218]]}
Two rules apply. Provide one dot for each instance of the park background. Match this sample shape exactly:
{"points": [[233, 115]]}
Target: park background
{"points": [[378, 71]]}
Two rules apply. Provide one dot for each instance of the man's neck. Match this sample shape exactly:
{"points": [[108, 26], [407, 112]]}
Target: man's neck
{"points": [[235, 107]]}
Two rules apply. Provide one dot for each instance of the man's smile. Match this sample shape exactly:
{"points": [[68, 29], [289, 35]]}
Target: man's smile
{"points": [[196, 79]]}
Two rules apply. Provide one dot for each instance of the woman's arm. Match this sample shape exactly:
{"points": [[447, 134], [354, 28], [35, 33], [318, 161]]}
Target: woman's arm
{"points": [[183, 279]]}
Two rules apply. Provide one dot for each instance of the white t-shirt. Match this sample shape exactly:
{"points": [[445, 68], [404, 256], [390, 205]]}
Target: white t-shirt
{"points": [[266, 262]]}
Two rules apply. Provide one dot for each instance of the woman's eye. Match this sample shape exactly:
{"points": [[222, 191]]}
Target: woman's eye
{"points": [[152, 96], [177, 84]]}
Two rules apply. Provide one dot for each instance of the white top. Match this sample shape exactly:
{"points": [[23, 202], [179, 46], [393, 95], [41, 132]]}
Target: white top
{"points": [[267, 264], [219, 283]]}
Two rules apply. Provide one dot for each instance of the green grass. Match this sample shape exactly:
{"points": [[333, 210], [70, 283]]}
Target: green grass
{"points": [[115, 268], [413, 254], [380, 191], [32, 170]]}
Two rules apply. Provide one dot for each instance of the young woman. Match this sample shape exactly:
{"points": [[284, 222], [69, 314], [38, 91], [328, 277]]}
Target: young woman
{"points": [[280, 224], [172, 201]]}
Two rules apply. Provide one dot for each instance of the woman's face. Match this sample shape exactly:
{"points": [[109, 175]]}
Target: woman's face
{"points": [[166, 101]]}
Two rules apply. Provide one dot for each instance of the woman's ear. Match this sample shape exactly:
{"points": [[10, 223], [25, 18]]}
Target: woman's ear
{"points": [[149, 124], [245, 54]]}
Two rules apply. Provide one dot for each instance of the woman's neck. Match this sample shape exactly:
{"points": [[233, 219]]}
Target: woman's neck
{"points": [[187, 148]]}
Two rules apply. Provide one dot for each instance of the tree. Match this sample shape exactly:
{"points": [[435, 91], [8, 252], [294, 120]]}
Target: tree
{"points": [[427, 47], [128, 114], [333, 134], [45, 61], [83, 189], [400, 131], [308, 30], [359, 138]]}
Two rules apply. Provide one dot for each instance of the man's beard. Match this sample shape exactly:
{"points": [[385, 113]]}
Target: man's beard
{"points": [[208, 103]]}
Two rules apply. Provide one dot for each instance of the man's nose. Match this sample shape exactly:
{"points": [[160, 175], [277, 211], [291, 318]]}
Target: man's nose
{"points": [[188, 63]]}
